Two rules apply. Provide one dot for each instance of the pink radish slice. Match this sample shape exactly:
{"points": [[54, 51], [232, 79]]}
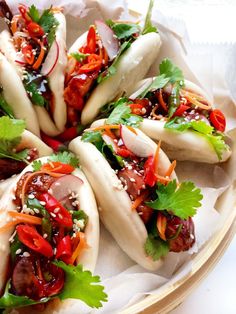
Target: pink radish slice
{"points": [[109, 141], [63, 186], [51, 59], [108, 38], [20, 62], [135, 143]]}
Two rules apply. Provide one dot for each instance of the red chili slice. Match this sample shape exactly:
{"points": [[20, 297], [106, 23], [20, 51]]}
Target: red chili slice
{"points": [[57, 211], [180, 110], [137, 109], [30, 237], [64, 249], [91, 41], [35, 30], [27, 51], [123, 152], [58, 167], [24, 12], [217, 118], [94, 64], [149, 171]]}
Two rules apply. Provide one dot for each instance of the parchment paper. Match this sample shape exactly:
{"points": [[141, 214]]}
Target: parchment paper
{"points": [[125, 282]]}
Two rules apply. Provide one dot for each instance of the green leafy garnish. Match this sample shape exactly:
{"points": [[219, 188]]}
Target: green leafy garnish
{"points": [[95, 138], [79, 56], [80, 215], [9, 300], [10, 136], [4, 106], [123, 30], [182, 201], [169, 73], [112, 69], [65, 158], [174, 99], [34, 13], [122, 115], [202, 129], [15, 245], [81, 284], [33, 92], [36, 165], [156, 247], [108, 108], [148, 27], [46, 20]]}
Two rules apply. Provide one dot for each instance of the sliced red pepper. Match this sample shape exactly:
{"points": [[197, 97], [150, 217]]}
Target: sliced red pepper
{"points": [[70, 133], [123, 152], [24, 13], [180, 110], [54, 144], [91, 41], [35, 30], [218, 120], [30, 237], [58, 167], [27, 51], [94, 64], [64, 249], [137, 109], [149, 172], [57, 211]]}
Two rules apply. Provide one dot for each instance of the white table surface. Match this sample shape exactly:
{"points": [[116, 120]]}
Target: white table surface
{"points": [[207, 21]]}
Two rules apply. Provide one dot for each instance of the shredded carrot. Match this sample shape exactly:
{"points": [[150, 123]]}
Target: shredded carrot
{"points": [[161, 100], [110, 134], [161, 225], [111, 127], [156, 158], [171, 169], [8, 225], [14, 23], [82, 245], [39, 61], [52, 174], [162, 179], [20, 217], [196, 100], [103, 55], [140, 199]]}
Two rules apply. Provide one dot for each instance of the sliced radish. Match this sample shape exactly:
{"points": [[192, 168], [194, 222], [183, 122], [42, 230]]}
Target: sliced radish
{"points": [[108, 38], [109, 141], [136, 144], [51, 59], [63, 186], [20, 62]]}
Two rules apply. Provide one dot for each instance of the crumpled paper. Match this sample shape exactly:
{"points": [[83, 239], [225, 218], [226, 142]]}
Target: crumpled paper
{"points": [[125, 282]]}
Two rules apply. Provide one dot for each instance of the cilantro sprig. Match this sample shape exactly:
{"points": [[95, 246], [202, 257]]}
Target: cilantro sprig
{"points": [[156, 247], [148, 26], [169, 73], [202, 129], [181, 201], [5, 107], [122, 115], [123, 30], [10, 136]]}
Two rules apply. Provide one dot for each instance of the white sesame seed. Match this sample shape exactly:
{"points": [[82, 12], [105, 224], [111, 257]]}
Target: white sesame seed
{"points": [[26, 254], [42, 203], [132, 180], [31, 196], [45, 235], [56, 210], [53, 215], [18, 251]]}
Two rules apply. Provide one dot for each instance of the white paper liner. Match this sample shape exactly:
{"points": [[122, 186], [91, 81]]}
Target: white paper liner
{"points": [[125, 282]]}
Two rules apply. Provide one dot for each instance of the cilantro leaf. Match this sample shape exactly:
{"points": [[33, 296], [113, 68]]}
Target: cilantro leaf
{"points": [[201, 128], [9, 300], [78, 56], [155, 247], [10, 136], [36, 165], [112, 69], [122, 115], [34, 13], [49, 24], [93, 137], [170, 70], [123, 30], [108, 108], [148, 27], [169, 73], [81, 284], [182, 201], [33, 92], [4, 106], [65, 158]]}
